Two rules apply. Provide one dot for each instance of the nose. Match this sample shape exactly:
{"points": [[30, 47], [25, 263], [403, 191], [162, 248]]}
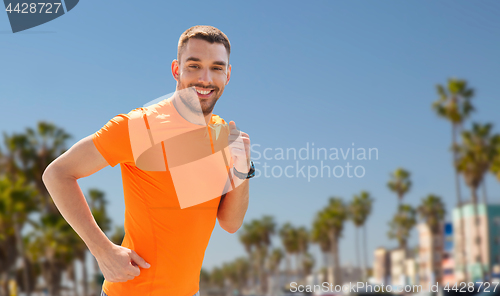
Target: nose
{"points": [[205, 77]]}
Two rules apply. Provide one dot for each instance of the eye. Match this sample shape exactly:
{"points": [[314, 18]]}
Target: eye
{"points": [[193, 66], [218, 68]]}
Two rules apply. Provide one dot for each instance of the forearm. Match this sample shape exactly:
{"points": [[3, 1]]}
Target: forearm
{"points": [[233, 207], [69, 199]]}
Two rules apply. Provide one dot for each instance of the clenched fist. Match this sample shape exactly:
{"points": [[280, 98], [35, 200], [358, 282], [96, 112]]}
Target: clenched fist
{"points": [[239, 146], [120, 264]]}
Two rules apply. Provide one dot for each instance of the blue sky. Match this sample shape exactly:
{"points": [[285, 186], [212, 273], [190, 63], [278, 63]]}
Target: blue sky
{"points": [[330, 73]]}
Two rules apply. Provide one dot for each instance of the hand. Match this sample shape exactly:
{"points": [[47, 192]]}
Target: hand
{"points": [[239, 146], [120, 264]]}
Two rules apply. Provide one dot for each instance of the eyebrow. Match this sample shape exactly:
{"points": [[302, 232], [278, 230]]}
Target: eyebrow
{"points": [[221, 63]]}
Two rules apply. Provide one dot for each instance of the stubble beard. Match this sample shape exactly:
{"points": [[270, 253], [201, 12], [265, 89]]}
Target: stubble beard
{"points": [[189, 97]]}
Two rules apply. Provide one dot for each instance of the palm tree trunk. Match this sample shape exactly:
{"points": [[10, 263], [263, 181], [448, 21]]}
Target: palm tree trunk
{"points": [[20, 246], [483, 185], [337, 276], [477, 238], [357, 247], [432, 251], [54, 281], [365, 247], [74, 280], [325, 259], [263, 272], [258, 269], [3, 283], [460, 208], [298, 264], [96, 273], [84, 275], [251, 284], [287, 266]]}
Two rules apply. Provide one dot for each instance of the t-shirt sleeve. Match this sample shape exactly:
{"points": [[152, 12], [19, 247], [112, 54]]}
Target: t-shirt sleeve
{"points": [[113, 141]]}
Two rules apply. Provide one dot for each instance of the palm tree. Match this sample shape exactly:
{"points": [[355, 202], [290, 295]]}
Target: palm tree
{"points": [[98, 208], [31, 152], [319, 235], [432, 211], [10, 221], [359, 210], [59, 240], [265, 227], [14, 168], [256, 237], [274, 263], [308, 263], [34, 255], [217, 277], [249, 238], [231, 277], [454, 105], [333, 217], [402, 224], [8, 238], [241, 266], [303, 244], [118, 235], [275, 260], [288, 235], [495, 163], [80, 252], [474, 157], [204, 278], [400, 183], [47, 142], [26, 156]]}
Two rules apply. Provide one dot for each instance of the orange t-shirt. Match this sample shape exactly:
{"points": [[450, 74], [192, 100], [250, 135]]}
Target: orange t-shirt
{"points": [[172, 239]]}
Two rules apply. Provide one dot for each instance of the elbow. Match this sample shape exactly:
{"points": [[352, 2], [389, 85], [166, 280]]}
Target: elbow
{"points": [[231, 228], [46, 175], [50, 173]]}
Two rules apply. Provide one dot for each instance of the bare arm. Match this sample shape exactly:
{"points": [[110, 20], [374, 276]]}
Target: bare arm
{"points": [[234, 204], [233, 207], [60, 178]]}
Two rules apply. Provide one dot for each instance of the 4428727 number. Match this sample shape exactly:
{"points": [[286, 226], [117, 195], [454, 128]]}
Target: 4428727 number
{"points": [[33, 8], [471, 287]]}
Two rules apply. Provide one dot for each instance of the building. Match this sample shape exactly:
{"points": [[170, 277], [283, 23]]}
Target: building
{"points": [[482, 243], [448, 276], [382, 266], [411, 271], [348, 273], [398, 267], [430, 255], [448, 264]]}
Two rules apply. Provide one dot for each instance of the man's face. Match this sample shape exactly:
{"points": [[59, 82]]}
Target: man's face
{"points": [[204, 66]]}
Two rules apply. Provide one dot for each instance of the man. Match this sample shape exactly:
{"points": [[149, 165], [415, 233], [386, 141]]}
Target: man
{"points": [[160, 148]]}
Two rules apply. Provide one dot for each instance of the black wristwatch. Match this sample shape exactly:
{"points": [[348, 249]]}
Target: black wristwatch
{"points": [[243, 176]]}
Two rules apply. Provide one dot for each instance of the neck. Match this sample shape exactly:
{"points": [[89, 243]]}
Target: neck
{"points": [[188, 114]]}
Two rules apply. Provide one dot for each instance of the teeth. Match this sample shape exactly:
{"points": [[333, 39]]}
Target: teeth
{"points": [[206, 92]]}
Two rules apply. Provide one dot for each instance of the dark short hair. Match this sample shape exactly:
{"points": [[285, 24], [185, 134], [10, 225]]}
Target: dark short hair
{"points": [[207, 33]]}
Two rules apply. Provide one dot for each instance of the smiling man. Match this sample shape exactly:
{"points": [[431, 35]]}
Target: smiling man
{"points": [[171, 154]]}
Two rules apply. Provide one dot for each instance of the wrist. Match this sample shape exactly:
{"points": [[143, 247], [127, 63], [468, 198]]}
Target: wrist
{"points": [[246, 174], [99, 248], [242, 166]]}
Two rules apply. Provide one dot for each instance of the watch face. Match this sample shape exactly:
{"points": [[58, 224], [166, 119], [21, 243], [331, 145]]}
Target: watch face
{"points": [[251, 173]]}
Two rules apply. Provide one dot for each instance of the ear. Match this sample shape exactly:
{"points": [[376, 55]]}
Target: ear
{"points": [[228, 74], [175, 70]]}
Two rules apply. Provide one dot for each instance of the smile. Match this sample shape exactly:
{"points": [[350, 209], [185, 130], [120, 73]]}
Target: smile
{"points": [[204, 92]]}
